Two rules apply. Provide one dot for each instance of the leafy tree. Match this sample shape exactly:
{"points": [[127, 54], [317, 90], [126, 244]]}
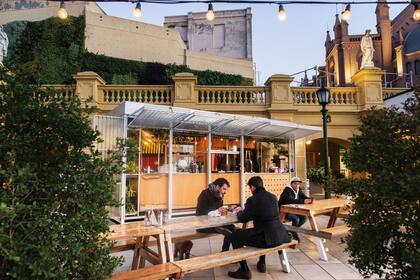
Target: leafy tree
{"points": [[385, 223], [54, 187]]}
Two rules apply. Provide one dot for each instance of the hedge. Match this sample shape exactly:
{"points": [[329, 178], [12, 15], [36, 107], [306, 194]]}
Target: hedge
{"points": [[52, 50]]}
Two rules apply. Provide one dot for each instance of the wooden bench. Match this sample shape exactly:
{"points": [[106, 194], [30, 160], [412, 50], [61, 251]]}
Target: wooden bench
{"points": [[337, 230], [156, 272], [206, 262]]}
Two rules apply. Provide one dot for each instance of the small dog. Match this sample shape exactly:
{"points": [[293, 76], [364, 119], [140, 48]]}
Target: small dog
{"points": [[183, 249]]}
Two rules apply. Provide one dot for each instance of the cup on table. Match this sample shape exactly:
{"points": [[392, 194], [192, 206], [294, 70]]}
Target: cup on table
{"points": [[223, 210]]}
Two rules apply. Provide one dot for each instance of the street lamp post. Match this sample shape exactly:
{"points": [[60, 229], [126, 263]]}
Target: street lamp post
{"points": [[323, 95]]}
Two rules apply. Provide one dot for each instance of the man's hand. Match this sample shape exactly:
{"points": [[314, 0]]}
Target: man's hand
{"points": [[236, 210], [223, 210], [308, 201]]}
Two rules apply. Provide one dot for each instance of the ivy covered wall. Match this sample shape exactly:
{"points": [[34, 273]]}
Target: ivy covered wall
{"points": [[53, 50]]}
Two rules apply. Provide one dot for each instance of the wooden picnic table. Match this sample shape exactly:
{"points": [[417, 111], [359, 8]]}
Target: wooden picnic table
{"points": [[163, 236], [318, 207]]}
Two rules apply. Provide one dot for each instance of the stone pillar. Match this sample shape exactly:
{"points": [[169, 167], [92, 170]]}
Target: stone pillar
{"points": [[300, 168], [369, 82], [279, 101], [87, 86], [184, 90], [399, 58]]}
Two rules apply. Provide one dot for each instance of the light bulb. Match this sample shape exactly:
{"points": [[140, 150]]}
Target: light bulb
{"points": [[210, 13], [62, 13], [346, 13], [282, 13], [137, 10]]}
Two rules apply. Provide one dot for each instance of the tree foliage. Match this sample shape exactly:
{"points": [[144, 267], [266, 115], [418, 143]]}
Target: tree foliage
{"points": [[385, 224], [52, 50], [54, 188]]}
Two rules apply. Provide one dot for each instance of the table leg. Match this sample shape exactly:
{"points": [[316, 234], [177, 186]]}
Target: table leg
{"points": [[282, 216], [284, 261], [333, 217], [169, 247], [144, 245], [319, 242], [161, 248], [137, 248]]}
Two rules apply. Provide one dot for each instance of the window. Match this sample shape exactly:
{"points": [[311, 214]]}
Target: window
{"points": [[417, 67], [408, 67]]}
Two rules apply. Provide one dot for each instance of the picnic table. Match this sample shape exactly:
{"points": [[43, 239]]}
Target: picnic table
{"points": [[318, 207], [163, 236]]}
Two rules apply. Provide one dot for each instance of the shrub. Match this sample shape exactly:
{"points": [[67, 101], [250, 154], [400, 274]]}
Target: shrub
{"points": [[385, 223], [54, 188]]}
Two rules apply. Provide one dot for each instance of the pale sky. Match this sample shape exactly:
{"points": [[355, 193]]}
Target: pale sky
{"points": [[278, 47]]}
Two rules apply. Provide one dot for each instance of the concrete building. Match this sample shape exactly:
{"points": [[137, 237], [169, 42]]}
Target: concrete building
{"points": [[229, 34], [397, 48], [128, 39]]}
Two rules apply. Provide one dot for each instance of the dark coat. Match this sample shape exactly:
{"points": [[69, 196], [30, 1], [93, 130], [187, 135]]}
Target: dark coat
{"points": [[262, 209], [207, 202], [288, 197]]}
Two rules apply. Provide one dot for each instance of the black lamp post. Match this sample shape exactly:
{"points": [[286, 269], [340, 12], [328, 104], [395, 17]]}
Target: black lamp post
{"points": [[323, 95]]}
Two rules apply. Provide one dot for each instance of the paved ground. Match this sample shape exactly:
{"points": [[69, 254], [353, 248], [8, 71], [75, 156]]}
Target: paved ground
{"points": [[305, 262]]}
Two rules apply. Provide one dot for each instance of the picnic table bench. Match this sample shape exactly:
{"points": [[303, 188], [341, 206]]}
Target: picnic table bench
{"points": [[178, 269]]}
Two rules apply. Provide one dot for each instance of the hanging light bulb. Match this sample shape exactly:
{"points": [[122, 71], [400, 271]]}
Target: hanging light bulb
{"points": [[416, 15], [346, 13], [62, 13], [210, 13], [282, 13], [137, 10]]}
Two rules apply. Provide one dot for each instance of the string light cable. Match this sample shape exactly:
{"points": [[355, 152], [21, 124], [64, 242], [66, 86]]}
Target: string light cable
{"points": [[137, 11]]}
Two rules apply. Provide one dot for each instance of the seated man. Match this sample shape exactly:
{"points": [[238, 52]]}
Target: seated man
{"points": [[292, 194], [262, 209], [211, 199]]}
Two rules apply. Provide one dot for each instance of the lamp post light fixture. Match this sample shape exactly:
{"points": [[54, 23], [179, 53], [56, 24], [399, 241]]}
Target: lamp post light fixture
{"points": [[323, 95]]}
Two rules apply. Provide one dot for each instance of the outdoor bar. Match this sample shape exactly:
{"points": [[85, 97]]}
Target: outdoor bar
{"points": [[179, 151]]}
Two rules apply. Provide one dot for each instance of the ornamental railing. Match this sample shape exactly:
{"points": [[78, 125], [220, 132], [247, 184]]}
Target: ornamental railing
{"points": [[155, 94], [223, 95], [338, 96]]}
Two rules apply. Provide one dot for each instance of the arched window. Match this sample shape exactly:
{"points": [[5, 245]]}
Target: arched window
{"points": [[417, 67], [408, 67]]}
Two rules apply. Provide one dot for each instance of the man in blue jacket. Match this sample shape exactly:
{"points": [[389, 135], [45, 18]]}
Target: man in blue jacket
{"points": [[268, 231], [292, 194]]}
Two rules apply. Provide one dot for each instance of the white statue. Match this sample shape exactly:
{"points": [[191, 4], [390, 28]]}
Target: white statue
{"points": [[366, 46], [4, 43]]}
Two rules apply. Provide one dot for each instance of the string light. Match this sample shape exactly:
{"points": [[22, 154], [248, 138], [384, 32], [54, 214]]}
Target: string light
{"points": [[416, 15], [346, 13], [137, 10], [210, 13], [62, 13], [282, 13]]}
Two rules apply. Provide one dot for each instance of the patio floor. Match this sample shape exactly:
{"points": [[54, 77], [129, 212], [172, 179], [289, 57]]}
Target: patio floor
{"points": [[305, 262]]}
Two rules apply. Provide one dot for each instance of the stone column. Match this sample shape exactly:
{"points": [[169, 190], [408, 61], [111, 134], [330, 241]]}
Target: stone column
{"points": [[87, 87], [184, 90], [280, 100], [369, 83]]}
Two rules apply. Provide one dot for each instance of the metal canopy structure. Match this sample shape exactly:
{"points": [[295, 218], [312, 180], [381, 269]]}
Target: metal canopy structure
{"points": [[141, 115]]}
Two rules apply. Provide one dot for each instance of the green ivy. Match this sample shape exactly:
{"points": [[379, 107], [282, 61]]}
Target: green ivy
{"points": [[52, 50]]}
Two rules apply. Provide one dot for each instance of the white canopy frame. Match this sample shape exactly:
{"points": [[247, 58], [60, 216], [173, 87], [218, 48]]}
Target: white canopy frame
{"points": [[176, 119]]}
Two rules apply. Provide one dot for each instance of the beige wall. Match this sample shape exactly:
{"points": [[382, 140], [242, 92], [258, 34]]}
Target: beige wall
{"points": [[134, 40], [44, 11]]}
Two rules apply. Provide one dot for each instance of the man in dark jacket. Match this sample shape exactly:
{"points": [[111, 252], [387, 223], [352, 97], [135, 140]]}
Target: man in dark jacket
{"points": [[211, 199], [268, 231], [292, 194]]}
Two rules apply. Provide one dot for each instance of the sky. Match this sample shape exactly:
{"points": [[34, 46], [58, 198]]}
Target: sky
{"points": [[283, 47]]}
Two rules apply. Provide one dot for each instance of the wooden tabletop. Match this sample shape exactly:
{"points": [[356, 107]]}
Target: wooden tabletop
{"points": [[197, 222], [318, 206], [133, 230]]}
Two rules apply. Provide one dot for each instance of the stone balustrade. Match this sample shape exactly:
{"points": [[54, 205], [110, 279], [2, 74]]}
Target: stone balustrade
{"points": [[388, 92], [338, 96], [223, 95], [116, 94], [64, 91]]}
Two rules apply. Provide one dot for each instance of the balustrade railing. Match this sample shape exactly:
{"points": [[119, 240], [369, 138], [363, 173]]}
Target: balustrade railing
{"points": [[62, 91], [231, 95], [388, 92], [338, 96], [144, 94]]}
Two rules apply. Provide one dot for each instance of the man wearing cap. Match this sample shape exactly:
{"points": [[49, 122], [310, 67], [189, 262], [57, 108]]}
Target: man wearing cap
{"points": [[292, 194]]}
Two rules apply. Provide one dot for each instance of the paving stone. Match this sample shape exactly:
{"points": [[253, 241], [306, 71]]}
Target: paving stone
{"points": [[340, 271], [312, 272]]}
